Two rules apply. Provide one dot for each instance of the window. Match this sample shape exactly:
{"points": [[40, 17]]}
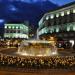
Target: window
{"points": [[47, 17], [52, 16], [74, 28], [9, 27], [71, 28], [68, 28], [57, 29], [21, 27], [73, 10], [13, 27], [16, 27], [5, 26], [68, 12], [57, 15], [62, 13]]}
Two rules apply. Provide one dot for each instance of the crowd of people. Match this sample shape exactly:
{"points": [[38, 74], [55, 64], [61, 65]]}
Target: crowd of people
{"points": [[55, 62]]}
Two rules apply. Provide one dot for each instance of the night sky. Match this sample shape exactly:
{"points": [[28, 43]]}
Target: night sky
{"points": [[30, 10], [61, 2]]}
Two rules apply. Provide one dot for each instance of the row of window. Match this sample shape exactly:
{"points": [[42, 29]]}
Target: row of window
{"points": [[67, 12], [57, 21], [23, 32], [68, 27], [16, 27], [15, 36]]}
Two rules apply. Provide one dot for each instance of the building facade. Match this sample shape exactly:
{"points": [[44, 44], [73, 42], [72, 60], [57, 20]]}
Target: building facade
{"points": [[13, 30], [59, 23]]}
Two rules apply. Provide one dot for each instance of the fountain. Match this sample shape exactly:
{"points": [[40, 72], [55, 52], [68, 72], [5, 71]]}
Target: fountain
{"points": [[37, 47]]}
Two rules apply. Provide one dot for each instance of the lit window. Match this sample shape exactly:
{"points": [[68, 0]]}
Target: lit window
{"points": [[5, 26], [9, 27], [57, 30], [57, 15], [74, 28], [62, 13], [21, 27], [52, 16], [47, 17], [68, 12], [50, 31], [16, 27], [13, 27], [73, 10], [68, 28]]}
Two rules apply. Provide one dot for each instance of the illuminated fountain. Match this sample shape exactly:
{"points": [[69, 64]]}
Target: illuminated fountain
{"points": [[37, 47]]}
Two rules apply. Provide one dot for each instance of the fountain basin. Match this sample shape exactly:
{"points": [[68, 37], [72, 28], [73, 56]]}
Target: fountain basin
{"points": [[37, 48]]}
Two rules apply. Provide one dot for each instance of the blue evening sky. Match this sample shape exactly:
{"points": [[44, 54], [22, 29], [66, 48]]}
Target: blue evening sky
{"points": [[61, 2]]}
